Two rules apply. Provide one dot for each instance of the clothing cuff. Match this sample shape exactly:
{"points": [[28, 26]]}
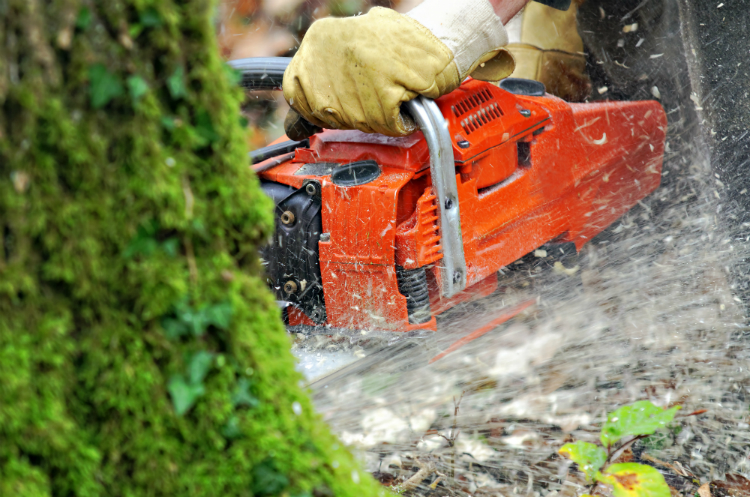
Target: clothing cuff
{"points": [[469, 28]]}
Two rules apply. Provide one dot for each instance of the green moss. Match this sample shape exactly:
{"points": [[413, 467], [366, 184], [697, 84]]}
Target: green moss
{"points": [[140, 353]]}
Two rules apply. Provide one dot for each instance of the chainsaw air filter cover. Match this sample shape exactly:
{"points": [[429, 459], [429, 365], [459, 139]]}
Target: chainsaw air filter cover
{"points": [[520, 86], [356, 173]]}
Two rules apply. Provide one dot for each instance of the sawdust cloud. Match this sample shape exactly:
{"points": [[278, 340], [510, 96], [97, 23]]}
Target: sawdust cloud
{"points": [[652, 316]]}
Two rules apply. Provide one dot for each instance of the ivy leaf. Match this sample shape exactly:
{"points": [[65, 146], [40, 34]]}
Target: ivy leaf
{"points": [[141, 246], [184, 394], [170, 246], [205, 127], [144, 242], [194, 320], [267, 479], [150, 18], [176, 84], [242, 396], [83, 19], [199, 227], [137, 87], [589, 457], [199, 366], [174, 328], [168, 123], [640, 418], [634, 480], [185, 319], [219, 315], [135, 30], [232, 429], [103, 86]]}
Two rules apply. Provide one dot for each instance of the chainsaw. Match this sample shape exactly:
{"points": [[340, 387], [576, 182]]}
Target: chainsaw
{"points": [[382, 234]]}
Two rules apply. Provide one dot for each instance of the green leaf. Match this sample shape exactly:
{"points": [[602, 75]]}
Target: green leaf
{"points": [[640, 418], [232, 429], [174, 328], [199, 366], [103, 85], [194, 320], [204, 127], [185, 319], [589, 457], [141, 246], [184, 395], [137, 87], [176, 84], [144, 241], [150, 18], [171, 246], [83, 20], [199, 227], [634, 480], [168, 123], [219, 315], [267, 479], [242, 396], [135, 30]]}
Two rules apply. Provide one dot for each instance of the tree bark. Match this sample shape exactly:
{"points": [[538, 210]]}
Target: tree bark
{"points": [[140, 353]]}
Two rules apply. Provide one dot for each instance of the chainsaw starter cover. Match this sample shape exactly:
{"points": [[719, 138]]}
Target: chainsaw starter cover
{"points": [[291, 259]]}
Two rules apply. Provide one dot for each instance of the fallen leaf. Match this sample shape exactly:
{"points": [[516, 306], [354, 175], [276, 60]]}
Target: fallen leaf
{"points": [[734, 485]]}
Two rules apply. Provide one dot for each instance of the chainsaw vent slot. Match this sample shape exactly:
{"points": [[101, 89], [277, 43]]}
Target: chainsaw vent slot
{"points": [[481, 117], [412, 284], [472, 102], [428, 236], [524, 154]]}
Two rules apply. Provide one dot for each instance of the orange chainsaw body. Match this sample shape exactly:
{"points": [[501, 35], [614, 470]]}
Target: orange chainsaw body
{"points": [[529, 170]]}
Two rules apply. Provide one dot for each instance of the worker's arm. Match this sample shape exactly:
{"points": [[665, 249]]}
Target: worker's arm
{"points": [[354, 73], [506, 9]]}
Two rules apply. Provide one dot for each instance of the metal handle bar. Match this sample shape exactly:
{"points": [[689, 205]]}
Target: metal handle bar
{"points": [[267, 73], [261, 73], [443, 171]]}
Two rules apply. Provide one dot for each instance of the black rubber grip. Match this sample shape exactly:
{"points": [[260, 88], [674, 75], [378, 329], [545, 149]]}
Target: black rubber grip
{"points": [[274, 150], [261, 73], [556, 4]]}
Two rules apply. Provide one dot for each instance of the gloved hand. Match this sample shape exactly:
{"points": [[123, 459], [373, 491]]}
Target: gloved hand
{"points": [[354, 72]]}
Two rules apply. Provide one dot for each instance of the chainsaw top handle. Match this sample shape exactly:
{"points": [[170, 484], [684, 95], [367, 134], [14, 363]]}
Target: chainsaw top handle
{"points": [[267, 73]]}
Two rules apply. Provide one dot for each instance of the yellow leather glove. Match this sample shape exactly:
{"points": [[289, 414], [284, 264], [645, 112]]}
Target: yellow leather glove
{"points": [[354, 72]]}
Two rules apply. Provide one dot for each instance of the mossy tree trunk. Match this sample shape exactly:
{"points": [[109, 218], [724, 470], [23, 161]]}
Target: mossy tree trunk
{"points": [[140, 353]]}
